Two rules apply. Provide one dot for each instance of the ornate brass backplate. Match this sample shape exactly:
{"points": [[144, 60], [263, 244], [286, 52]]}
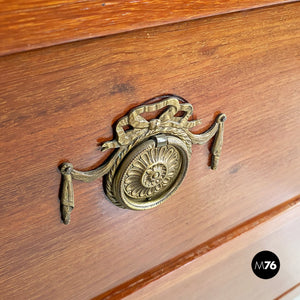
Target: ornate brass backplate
{"points": [[150, 158]]}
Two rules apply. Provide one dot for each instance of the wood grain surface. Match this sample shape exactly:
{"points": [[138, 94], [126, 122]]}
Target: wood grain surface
{"points": [[57, 103], [33, 24], [225, 273], [140, 283], [290, 294]]}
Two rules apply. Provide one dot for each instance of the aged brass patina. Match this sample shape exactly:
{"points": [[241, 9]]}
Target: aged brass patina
{"points": [[150, 158]]}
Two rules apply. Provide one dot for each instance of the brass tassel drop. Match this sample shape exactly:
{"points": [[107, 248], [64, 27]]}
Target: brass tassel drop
{"points": [[67, 193], [218, 142]]}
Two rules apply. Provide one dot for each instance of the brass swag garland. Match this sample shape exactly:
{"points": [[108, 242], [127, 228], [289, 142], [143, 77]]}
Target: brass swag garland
{"points": [[151, 157]]}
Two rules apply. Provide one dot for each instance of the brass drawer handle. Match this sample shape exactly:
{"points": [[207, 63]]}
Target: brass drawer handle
{"points": [[151, 157]]}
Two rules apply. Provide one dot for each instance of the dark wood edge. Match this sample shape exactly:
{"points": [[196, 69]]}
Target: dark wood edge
{"points": [[163, 269], [55, 24], [287, 292]]}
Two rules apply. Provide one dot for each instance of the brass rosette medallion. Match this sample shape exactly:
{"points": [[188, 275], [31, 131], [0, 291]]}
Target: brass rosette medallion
{"points": [[149, 174], [150, 159]]}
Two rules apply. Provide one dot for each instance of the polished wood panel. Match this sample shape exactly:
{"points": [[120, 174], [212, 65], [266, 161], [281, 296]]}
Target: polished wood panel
{"points": [[156, 273], [290, 294], [33, 24], [225, 273], [56, 102]]}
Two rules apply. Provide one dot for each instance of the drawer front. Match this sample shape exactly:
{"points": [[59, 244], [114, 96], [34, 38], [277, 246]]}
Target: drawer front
{"points": [[225, 273], [41, 23], [58, 103]]}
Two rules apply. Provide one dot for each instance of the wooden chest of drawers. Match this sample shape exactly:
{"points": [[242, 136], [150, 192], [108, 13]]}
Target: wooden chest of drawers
{"points": [[58, 103]]}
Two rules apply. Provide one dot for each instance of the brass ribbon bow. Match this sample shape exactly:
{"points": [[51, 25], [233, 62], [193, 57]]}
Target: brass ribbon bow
{"points": [[167, 119]]}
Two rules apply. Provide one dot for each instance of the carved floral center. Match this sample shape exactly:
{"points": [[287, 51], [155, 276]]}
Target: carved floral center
{"points": [[152, 172], [154, 175]]}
